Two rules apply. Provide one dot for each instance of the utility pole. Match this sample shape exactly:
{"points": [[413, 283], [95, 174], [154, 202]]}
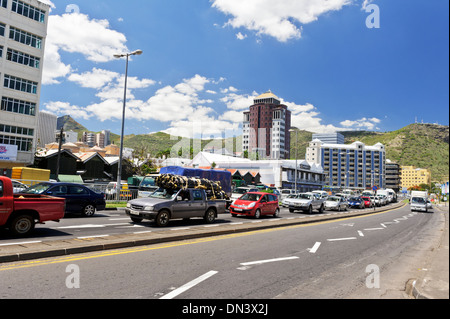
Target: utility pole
{"points": [[58, 164]]}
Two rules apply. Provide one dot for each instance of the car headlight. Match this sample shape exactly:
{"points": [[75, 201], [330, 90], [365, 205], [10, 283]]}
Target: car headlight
{"points": [[149, 208], [252, 205], [128, 205]]}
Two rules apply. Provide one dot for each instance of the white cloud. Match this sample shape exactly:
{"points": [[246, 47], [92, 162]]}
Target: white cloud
{"points": [[95, 79], [362, 124], [77, 33], [278, 19], [241, 36], [64, 108]]}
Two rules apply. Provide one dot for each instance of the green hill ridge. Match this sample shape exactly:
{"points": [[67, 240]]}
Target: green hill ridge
{"points": [[420, 145]]}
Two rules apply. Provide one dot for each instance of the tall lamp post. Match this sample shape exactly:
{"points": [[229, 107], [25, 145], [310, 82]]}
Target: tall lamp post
{"points": [[119, 171], [294, 129]]}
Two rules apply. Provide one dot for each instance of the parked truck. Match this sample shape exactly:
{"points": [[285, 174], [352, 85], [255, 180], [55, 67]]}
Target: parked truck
{"points": [[166, 204], [419, 201], [20, 212]]}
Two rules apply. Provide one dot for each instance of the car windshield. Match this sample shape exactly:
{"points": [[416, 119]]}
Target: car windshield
{"points": [[164, 193], [37, 189], [148, 181], [353, 199], [241, 190], [418, 200], [334, 199], [304, 196], [251, 197]]}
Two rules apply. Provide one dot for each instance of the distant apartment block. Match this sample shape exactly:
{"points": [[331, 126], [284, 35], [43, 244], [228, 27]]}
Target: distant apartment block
{"points": [[393, 171], [355, 166], [23, 30], [330, 138], [412, 176], [47, 124], [266, 128]]}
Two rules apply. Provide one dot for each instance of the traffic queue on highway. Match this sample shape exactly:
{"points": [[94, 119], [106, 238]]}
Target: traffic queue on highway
{"points": [[183, 193]]}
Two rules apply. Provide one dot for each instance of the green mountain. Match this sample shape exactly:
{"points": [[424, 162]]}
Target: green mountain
{"points": [[420, 145]]}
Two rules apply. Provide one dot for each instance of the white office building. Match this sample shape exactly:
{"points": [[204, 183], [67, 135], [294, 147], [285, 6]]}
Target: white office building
{"points": [[23, 30], [355, 166]]}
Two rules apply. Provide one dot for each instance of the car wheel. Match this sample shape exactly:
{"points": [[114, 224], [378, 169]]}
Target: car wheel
{"points": [[89, 210], [22, 226], [277, 213], [257, 214], [162, 220], [210, 216], [310, 210], [321, 209]]}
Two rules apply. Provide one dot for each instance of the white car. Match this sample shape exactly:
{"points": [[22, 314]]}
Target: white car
{"points": [[336, 203], [307, 202], [285, 202], [18, 187]]}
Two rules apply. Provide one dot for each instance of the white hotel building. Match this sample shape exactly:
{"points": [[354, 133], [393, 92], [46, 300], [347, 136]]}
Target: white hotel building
{"points": [[23, 30], [355, 166]]}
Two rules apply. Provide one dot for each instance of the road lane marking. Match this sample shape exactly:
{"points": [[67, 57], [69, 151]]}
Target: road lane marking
{"points": [[189, 285], [260, 262], [342, 239], [81, 226], [360, 233], [23, 243], [370, 229], [315, 248]]}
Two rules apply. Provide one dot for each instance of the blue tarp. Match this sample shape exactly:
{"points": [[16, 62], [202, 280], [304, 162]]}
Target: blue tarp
{"points": [[224, 177]]}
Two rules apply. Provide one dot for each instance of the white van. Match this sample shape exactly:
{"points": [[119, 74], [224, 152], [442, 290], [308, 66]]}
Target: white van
{"points": [[323, 194]]}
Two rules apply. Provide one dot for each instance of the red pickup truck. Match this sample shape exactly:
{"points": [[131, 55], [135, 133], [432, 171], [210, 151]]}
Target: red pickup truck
{"points": [[20, 212]]}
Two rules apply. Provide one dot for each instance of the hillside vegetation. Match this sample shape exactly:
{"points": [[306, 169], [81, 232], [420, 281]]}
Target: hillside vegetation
{"points": [[420, 145]]}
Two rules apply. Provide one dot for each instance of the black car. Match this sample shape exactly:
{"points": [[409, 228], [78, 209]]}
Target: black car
{"points": [[79, 198]]}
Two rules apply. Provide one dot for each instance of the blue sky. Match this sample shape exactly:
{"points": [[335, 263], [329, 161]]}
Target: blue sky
{"points": [[205, 60]]}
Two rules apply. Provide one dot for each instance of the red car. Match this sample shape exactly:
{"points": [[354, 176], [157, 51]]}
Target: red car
{"points": [[256, 204], [367, 202]]}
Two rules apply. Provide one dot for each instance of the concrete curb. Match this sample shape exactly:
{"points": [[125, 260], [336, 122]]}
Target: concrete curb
{"points": [[60, 248], [421, 287]]}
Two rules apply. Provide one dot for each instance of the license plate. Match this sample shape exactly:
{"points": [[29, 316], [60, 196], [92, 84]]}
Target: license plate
{"points": [[134, 212], [238, 210]]}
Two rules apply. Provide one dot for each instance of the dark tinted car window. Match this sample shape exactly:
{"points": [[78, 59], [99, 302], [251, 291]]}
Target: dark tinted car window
{"points": [[77, 190]]}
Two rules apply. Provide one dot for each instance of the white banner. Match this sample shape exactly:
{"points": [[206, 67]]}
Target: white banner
{"points": [[8, 152]]}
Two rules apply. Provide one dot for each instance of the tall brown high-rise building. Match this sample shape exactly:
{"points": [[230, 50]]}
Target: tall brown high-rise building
{"points": [[266, 128]]}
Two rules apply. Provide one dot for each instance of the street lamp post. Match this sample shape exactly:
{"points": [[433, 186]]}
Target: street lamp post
{"points": [[294, 129], [119, 171]]}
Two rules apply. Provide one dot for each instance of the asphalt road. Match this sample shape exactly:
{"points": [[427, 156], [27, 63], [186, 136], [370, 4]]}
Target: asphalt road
{"points": [[365, 257], [108, 223]]}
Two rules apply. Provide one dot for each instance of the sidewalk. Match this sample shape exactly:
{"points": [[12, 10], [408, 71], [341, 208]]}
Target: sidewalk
{"points": [[433, 279]]}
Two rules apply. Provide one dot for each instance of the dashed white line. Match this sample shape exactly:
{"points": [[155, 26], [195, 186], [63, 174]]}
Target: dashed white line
{"points": [[342, 239], [315, 248], [189, 285], [260, 262], [22, 243], [360, 233]]}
